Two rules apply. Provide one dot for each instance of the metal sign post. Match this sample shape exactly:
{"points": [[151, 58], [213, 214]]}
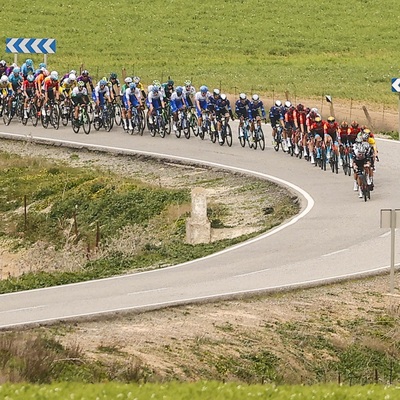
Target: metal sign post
{"points": [[390, 218]]}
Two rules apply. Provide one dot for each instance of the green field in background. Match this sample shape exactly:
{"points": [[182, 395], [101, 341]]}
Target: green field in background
{"points": [[347, 48]]}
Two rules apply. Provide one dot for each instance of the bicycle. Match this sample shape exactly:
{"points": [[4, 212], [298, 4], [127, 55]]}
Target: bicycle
{"points": [[83, 120], [167, 115], [344, 151], [116, 112], [50, 114], [192, 120], [205, 124], [278, 142], [182, 125], [257, 138], [365, 188], [226, 132], [15, 109], [334, 159], [158, 125], [66, 111], [137, 121], [104, 119], [31, 112], [243, 133]]}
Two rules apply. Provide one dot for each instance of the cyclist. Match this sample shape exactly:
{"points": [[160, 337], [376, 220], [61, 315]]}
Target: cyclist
{"points": [[79, 96], [256, 111], [310, 118], [368, 136], [129, 100], [3, 67], [87, 79], [100, 94], [155, 101], [353, 131], [212, 106], [27, 68], [276, 118], [201, 100], [16, 79], [42, 66], [114, 85], [66, 76], [67, 85], [177, 103], [242, 108], [343, 137], [189, 92], [39, 81], [29, 91], [300, 123], [51, 87], [223, 110], [330, 136], [5, 91], [289, 124], [362, 156], [168, 89], [315, 138], [140, 88]]}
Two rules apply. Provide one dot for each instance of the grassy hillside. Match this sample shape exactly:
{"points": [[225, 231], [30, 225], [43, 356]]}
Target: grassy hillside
{"points": [[347, 48]]}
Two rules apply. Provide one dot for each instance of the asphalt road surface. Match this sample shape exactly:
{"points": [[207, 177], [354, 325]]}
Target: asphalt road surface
{"points": [[336, 236]]}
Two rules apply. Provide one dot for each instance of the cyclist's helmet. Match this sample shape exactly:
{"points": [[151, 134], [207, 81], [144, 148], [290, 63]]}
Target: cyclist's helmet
{"points": [[300, 107], [4, 79], [344, 124], [54, 75], [188, 82], [113, 75], [255, 97], [73, 71], [358, 139], [155, 89], [72, 77], [132, 86], [16, 70], [42, 65], [179, 90], [203, 89], [278, 103], [223, 96], [45, 72], [128, 80], [170, 82], [29, 62], [3, 63], [318, 120], [30, 78], [242, 96], [216, 92], [85, 72], [288, 104], [156, 82], [103, 82], [136, 79], [331, 119], [354, 124], [81, 84], [314, 110], [365, 136]]}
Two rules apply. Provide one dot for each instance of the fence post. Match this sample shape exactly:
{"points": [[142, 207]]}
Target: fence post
{"points": [[25, 214]]}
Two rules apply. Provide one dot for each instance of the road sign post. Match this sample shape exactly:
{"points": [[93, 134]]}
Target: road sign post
{"points": [[390, 218], [30, 45], [396, 89]]}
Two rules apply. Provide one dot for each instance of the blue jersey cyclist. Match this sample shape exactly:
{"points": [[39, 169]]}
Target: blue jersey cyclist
{"points": [[242, 110], [223, 110], [100, 94], [27, 68], [256, 111], [201, 99], [276, 117], [16, 79], [177, 103], [129, 100], [155, 102]]}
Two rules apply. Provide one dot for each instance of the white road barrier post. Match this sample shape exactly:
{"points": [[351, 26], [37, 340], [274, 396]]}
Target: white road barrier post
{"points": [[390, 218], [198, 227]]}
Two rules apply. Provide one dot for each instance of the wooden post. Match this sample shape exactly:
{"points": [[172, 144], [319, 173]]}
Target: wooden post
{"points": [[368, 117], [25, 215]]}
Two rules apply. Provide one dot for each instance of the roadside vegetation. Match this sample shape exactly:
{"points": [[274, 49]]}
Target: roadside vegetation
{"points": [[306, 49]]}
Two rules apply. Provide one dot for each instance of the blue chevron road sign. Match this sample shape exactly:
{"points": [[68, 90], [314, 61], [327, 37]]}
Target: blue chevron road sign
{"points": [[30, 45]]}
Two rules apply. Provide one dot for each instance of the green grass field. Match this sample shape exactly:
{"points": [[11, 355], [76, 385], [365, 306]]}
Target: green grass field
{"points": [[347, 48], [196, 391]]}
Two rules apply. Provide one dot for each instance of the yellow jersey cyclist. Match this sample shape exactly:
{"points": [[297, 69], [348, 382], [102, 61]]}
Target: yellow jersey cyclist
{"points": [[67, 85], [6, 92]]}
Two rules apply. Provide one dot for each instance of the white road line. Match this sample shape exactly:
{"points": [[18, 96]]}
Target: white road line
{"points": [[252, 273], [148, 291], [334, 252], [22, 309]]}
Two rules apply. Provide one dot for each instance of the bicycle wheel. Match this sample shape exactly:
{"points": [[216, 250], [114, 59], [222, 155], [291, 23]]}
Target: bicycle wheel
{"points": [[241, 136], [323, 159], [44, 120], [86, 122], [33, 114], [213, 135], [186, 128], [76, 125], [55, 116], [97, 122], [277, 141], [178, 130], [161, 126], [64, 114], [7, 116], [117, 114], [141, 126], [150, 127], [261, 139], [108, 122], [228, 135]]}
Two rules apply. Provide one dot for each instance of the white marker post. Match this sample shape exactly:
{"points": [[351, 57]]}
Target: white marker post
{"points": [[390, 218]]}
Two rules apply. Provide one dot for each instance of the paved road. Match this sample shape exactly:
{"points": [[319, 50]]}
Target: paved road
{"points": [[336, 236]]}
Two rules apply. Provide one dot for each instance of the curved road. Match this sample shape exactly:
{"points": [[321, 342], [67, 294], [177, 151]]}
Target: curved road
{"points": [[336, 236]]}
